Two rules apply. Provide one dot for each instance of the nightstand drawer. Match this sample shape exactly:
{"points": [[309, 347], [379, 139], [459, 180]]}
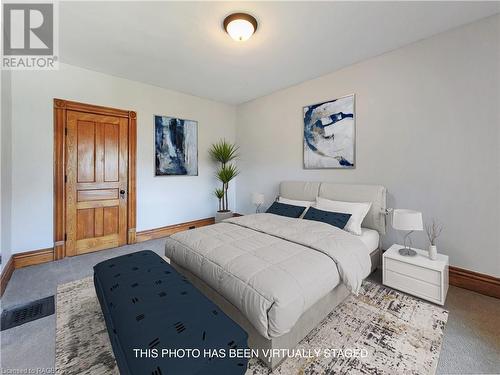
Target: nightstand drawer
{"points": [[413, 271], [410, 285]]}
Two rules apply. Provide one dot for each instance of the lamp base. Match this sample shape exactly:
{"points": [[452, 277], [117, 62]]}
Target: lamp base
{"points": [[407, 252]]}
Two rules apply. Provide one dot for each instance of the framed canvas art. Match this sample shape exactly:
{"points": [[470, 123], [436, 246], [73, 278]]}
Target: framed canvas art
{"points": [[329, 134], [176, 146]]}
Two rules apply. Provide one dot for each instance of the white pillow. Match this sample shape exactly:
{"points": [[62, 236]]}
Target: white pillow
{"points": [[357, 210], [294, 202]]}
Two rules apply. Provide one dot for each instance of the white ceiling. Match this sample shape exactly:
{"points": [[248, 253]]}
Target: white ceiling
{"points": [[181, 45]]}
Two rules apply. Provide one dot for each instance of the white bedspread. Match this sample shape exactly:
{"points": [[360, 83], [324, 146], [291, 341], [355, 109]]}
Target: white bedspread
{"points": [[270, 267]]}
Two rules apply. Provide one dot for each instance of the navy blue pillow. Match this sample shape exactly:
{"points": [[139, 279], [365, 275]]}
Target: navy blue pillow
{"points": [[287, 210], [336, 219]]}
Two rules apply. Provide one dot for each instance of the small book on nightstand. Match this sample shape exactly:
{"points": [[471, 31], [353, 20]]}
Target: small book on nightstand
{"points": [[417, 275]]}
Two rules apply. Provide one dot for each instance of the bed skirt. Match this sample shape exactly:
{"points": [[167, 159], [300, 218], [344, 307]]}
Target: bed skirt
{"points": [[306, 323]]}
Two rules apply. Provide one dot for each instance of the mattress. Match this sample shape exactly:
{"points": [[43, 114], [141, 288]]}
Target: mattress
{"points": [[270, 267], [370, 238]]}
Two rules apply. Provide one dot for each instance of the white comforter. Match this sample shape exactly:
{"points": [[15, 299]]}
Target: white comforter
{"points": [[270, 267]]}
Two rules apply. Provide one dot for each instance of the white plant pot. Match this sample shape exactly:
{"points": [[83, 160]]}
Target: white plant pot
{"points": [[433, 253], [219, 216]]}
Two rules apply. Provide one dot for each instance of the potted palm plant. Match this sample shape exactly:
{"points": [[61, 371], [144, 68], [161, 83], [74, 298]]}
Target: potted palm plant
{"points": [[224, 152], [219, 193]]}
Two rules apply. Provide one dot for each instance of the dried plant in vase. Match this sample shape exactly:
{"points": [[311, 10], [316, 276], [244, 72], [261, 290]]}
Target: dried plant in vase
{"points": [[433, 232]]}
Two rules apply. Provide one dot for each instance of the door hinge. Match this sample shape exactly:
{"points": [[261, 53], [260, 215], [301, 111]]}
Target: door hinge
{"points": [[65, 237], [65, 178], [65, 131]]}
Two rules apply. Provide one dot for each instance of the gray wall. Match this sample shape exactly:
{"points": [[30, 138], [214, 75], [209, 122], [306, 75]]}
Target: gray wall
{"points": [[427, 127], [6, 170], [161, 201]]}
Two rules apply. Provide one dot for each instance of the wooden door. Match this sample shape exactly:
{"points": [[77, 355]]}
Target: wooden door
{"points": [[96, 181]]}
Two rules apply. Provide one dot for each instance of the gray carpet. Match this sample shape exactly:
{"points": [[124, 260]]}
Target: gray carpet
{"points": [[471, 342]]}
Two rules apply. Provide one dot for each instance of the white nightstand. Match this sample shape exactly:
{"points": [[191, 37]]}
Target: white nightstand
{"points": [[418, 275]]}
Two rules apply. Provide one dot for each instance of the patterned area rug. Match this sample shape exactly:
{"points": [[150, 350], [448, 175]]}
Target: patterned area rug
{"points": [[396, 332]]}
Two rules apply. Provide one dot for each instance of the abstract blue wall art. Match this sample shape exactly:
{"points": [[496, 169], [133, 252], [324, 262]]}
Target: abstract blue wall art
{"points": [[329, 134], [176, 146]]}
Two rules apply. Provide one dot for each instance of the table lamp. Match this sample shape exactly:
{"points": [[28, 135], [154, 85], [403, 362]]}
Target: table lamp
{"points": [[410, 221], [258, 200]]}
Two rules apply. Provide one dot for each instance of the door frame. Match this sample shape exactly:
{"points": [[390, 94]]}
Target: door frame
{"points": [[61, 106]]}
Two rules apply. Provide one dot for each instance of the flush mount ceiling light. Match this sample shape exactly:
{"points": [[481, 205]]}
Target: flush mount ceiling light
{"points": [[240, 26]]}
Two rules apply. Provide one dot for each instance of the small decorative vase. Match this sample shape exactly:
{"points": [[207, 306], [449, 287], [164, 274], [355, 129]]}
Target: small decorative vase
{"points": [[219, 216], [433, 253]]}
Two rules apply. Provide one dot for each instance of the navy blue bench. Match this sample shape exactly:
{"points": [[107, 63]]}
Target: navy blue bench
{"points": [[150, 306]]}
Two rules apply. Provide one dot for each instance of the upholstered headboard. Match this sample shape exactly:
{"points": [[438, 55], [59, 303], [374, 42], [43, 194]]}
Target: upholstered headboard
{"points": [[299, 190], [375, 219]]}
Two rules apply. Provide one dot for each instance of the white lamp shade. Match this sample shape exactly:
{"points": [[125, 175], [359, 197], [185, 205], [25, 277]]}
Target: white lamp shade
{"points": [[407, 220], [240, 30], [258, 198]]}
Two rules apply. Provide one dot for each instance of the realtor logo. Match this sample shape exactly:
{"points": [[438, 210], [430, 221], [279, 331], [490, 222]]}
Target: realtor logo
{"points": [[28, 36]]}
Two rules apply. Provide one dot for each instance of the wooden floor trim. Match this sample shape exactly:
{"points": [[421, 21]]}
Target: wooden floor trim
{"points": [[462, 278], [32, 258], [152, 234], [6, 275], [477, 282]]}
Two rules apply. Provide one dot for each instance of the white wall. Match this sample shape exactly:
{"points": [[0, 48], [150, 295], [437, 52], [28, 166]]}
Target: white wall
{"points": [[6, 171], [427, 128], [428, 122], [160, 200]]}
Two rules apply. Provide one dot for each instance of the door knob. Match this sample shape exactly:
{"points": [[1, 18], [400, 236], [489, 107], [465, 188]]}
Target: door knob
{"points": [[122, 193]]}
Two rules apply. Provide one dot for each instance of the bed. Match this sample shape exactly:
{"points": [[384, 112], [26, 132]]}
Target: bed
{"points": [[279, 277]]}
